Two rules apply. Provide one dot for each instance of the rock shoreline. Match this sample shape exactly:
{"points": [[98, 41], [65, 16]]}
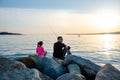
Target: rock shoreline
{"points": [[44, 68]]}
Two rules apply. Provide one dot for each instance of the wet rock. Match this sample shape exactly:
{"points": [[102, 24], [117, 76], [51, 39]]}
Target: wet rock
{"points": [[14, 70], [88, 68], [69, 76], [108, 72], [29, 62], [50, 67]]}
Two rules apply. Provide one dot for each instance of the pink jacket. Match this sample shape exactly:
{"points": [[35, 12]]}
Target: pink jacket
{"points": [[40, 51]]}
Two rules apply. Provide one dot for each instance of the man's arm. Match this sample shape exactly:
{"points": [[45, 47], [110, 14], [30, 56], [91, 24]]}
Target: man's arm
{"points": [[64, 45]]}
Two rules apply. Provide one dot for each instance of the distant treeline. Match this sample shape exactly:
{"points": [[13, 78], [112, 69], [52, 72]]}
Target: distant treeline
{"points": [[8, 33]]}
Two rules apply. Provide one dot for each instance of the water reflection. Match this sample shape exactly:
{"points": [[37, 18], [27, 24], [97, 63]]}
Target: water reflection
{"points": [[100, 49], [107, 42]]}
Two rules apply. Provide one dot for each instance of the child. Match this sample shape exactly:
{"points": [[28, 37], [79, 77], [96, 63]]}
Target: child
{"points": [[40, 50], [68, 50]]}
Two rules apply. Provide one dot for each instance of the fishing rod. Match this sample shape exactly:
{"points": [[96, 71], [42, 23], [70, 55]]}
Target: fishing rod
{"points": [[53, 31]]}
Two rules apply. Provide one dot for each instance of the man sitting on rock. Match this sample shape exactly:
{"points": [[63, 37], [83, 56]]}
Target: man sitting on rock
{"points": [[60, 49]]}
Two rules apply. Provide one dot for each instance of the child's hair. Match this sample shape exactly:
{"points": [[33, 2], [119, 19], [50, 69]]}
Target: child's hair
{"points": [[40, 43], [69, 47]]}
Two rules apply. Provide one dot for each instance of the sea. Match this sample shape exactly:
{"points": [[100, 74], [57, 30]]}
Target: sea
{"points": [[101, 49]]}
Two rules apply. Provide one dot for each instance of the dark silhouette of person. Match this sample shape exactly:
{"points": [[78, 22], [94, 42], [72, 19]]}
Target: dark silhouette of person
{"points": [[60, 49]]}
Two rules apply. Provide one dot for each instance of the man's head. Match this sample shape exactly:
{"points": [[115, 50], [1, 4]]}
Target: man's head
{"points": [[60, 39]]}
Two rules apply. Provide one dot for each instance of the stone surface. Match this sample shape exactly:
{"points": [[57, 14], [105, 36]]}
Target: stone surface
{"points": [[44, 77], [69, 76], [108, 72], [88, 68], [35, 57], [29, 62], [59, 61], [14, 70], [74, 68], [50, 67]]}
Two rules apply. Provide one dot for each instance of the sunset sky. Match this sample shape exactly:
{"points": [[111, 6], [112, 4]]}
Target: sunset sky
{"points": [[59, 16]]}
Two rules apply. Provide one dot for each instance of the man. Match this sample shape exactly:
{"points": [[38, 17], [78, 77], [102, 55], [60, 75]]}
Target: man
{"points": [[60, 49]]}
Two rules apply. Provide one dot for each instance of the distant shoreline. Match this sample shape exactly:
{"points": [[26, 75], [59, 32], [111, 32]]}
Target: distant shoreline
{"points": [[96, 33], [8, 33]]}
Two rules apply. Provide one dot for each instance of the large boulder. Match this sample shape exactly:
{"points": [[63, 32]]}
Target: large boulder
{"points": [[50, 67], [70, 76], [28, 61], [108, 72], [35, 57], [59, 61], [14, 70], [44, 77], [74, 68], [88, 68]]}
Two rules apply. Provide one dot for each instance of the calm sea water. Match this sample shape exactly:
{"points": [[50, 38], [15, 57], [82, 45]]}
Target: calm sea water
{"points": [[100, 49]]}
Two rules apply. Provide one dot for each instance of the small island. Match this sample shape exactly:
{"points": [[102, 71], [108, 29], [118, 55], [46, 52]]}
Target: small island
{"points": [[8, 33]]}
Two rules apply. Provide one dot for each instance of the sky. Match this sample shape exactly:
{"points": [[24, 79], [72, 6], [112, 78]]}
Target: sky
{"points": [[59, 16]]}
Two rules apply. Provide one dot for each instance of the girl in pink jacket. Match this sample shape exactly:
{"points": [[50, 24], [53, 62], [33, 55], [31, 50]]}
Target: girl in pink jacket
{"points": [[40, 50]]}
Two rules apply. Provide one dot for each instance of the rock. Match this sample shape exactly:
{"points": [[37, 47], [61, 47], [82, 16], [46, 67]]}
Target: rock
{"points": [[88, 68], [59, 61], [14, 70], [108, 72], [50, 67], [74, 68], [29, 62], [44, 77], [69, 76], [35, 57], [2, 56]]}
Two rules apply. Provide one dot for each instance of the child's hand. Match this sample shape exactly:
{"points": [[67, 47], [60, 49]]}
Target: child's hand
{"points": [[45, 53]]}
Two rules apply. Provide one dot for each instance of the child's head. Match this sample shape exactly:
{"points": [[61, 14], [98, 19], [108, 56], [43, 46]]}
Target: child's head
{"points": [[40, 43], [69, 47]]}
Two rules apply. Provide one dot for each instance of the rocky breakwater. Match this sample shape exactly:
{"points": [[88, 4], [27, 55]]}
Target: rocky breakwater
{"points": [[14, 70], [50, 67], [108, 72], [87, 68], [44, 68]]}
